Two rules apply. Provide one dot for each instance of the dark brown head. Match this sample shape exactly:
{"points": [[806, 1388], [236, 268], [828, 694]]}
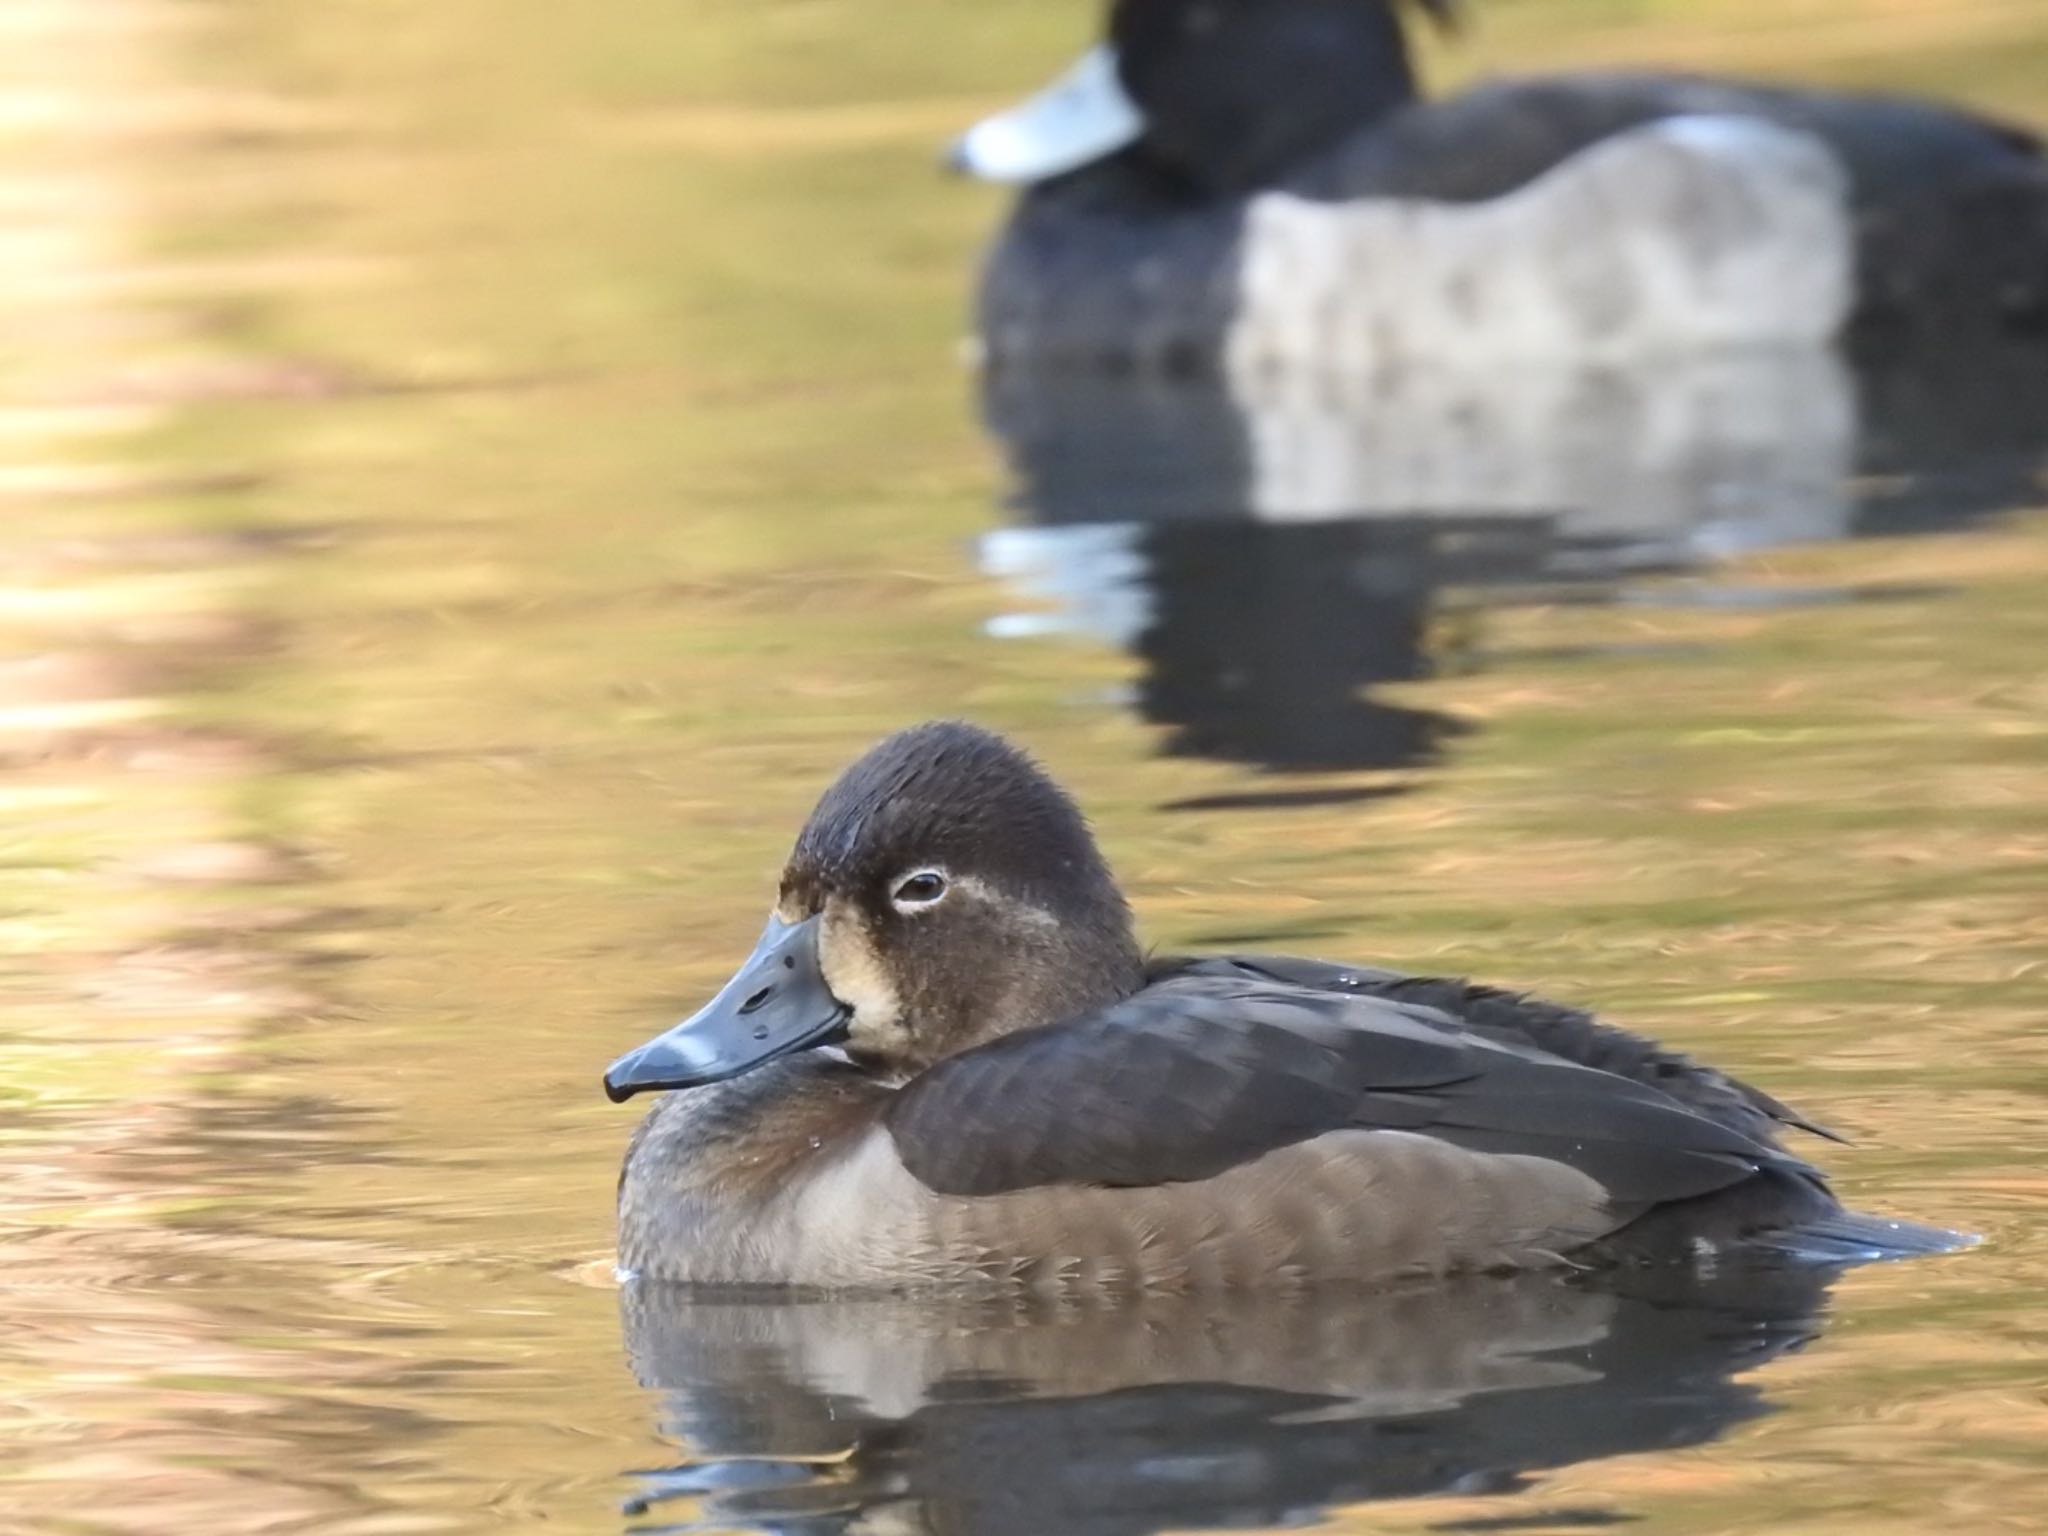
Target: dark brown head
{"points": [[944, 891]]}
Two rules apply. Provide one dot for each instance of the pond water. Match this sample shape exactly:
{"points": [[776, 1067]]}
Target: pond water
{"points": [[473, 472]]}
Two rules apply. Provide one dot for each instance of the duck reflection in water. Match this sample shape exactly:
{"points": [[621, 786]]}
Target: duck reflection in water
{"points": [[1260, 642], [1250, 1409], [1274, 547]]}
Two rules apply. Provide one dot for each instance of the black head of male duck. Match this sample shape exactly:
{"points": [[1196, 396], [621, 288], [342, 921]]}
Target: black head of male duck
{"points": [[947, 1065], [1214, 163], [1212, 97]]}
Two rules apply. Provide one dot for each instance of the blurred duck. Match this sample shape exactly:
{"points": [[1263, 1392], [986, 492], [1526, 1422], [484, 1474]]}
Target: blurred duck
{"points": [[1258, 179], [947, 1064]]}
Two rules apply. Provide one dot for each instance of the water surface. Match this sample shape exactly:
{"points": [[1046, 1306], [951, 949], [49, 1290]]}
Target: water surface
{"points": [[474, 472]]}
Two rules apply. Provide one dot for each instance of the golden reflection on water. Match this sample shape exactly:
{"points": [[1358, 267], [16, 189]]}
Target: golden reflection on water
{"points": [[472, 476]]}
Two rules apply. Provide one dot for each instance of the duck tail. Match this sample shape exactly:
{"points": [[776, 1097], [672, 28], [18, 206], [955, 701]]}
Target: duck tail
{"points": [[1850, 1237]]}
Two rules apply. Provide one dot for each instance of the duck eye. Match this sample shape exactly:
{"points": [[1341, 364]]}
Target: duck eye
{"points": [[920, 889]]}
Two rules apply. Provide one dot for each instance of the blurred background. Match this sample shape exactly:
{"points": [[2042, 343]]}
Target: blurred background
{"points": [[472, 472]]}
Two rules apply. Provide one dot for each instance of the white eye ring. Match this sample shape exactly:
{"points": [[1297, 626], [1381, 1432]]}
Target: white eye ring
{"points": [[919, 889]]}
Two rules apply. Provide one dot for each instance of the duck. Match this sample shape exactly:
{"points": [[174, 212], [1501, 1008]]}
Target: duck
{"points": [[948, 1066], [1259, 184]]}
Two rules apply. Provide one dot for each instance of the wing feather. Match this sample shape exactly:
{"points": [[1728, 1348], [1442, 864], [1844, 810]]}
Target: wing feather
{"points": [[1201, 1072], [1510, 1017]]}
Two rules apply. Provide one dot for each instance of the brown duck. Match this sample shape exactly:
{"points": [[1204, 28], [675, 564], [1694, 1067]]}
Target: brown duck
{"points": [[948, 1064]]}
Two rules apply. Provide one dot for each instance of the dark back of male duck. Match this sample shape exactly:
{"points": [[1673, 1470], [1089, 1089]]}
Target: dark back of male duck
{"points": [[947, 1065], [1137, 228]]}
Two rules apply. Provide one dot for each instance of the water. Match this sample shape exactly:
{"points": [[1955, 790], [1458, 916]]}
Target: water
{"points": [[474, 472]]}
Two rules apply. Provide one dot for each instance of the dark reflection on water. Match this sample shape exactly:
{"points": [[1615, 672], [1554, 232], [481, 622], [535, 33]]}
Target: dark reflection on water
{"points": [[1257, 637], [1000, 1418], [1274, 547]]}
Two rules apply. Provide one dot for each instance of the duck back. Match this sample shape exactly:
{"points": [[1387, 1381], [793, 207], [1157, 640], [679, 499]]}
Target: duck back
{"points": [[1950, 209], [1785, 1209], [1943, 214]]}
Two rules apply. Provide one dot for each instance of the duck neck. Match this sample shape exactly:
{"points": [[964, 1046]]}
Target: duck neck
{"points": [[1079, 969]]}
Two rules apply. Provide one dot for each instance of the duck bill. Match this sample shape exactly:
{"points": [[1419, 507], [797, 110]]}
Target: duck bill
{"points": [[776, 1003], [1081, 117]]}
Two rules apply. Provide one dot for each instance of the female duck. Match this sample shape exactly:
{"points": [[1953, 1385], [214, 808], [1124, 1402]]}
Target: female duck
{"points": [[1256, 179], [947, 1064]]}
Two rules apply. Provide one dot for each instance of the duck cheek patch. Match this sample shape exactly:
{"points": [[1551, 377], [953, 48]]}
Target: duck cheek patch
{"points": [[851, 960]]}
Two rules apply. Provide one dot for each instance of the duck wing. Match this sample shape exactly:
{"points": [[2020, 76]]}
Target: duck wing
{"points": [[1516, 1018], [1950, 208], [1201, 1072]]}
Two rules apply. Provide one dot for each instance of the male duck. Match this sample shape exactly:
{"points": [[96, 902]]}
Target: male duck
{"points": [[948, 1064], [1257, 179]]}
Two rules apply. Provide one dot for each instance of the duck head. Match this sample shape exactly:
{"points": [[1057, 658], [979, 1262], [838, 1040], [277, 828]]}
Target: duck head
{"points": [[944, 891], [1223, 95]]}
